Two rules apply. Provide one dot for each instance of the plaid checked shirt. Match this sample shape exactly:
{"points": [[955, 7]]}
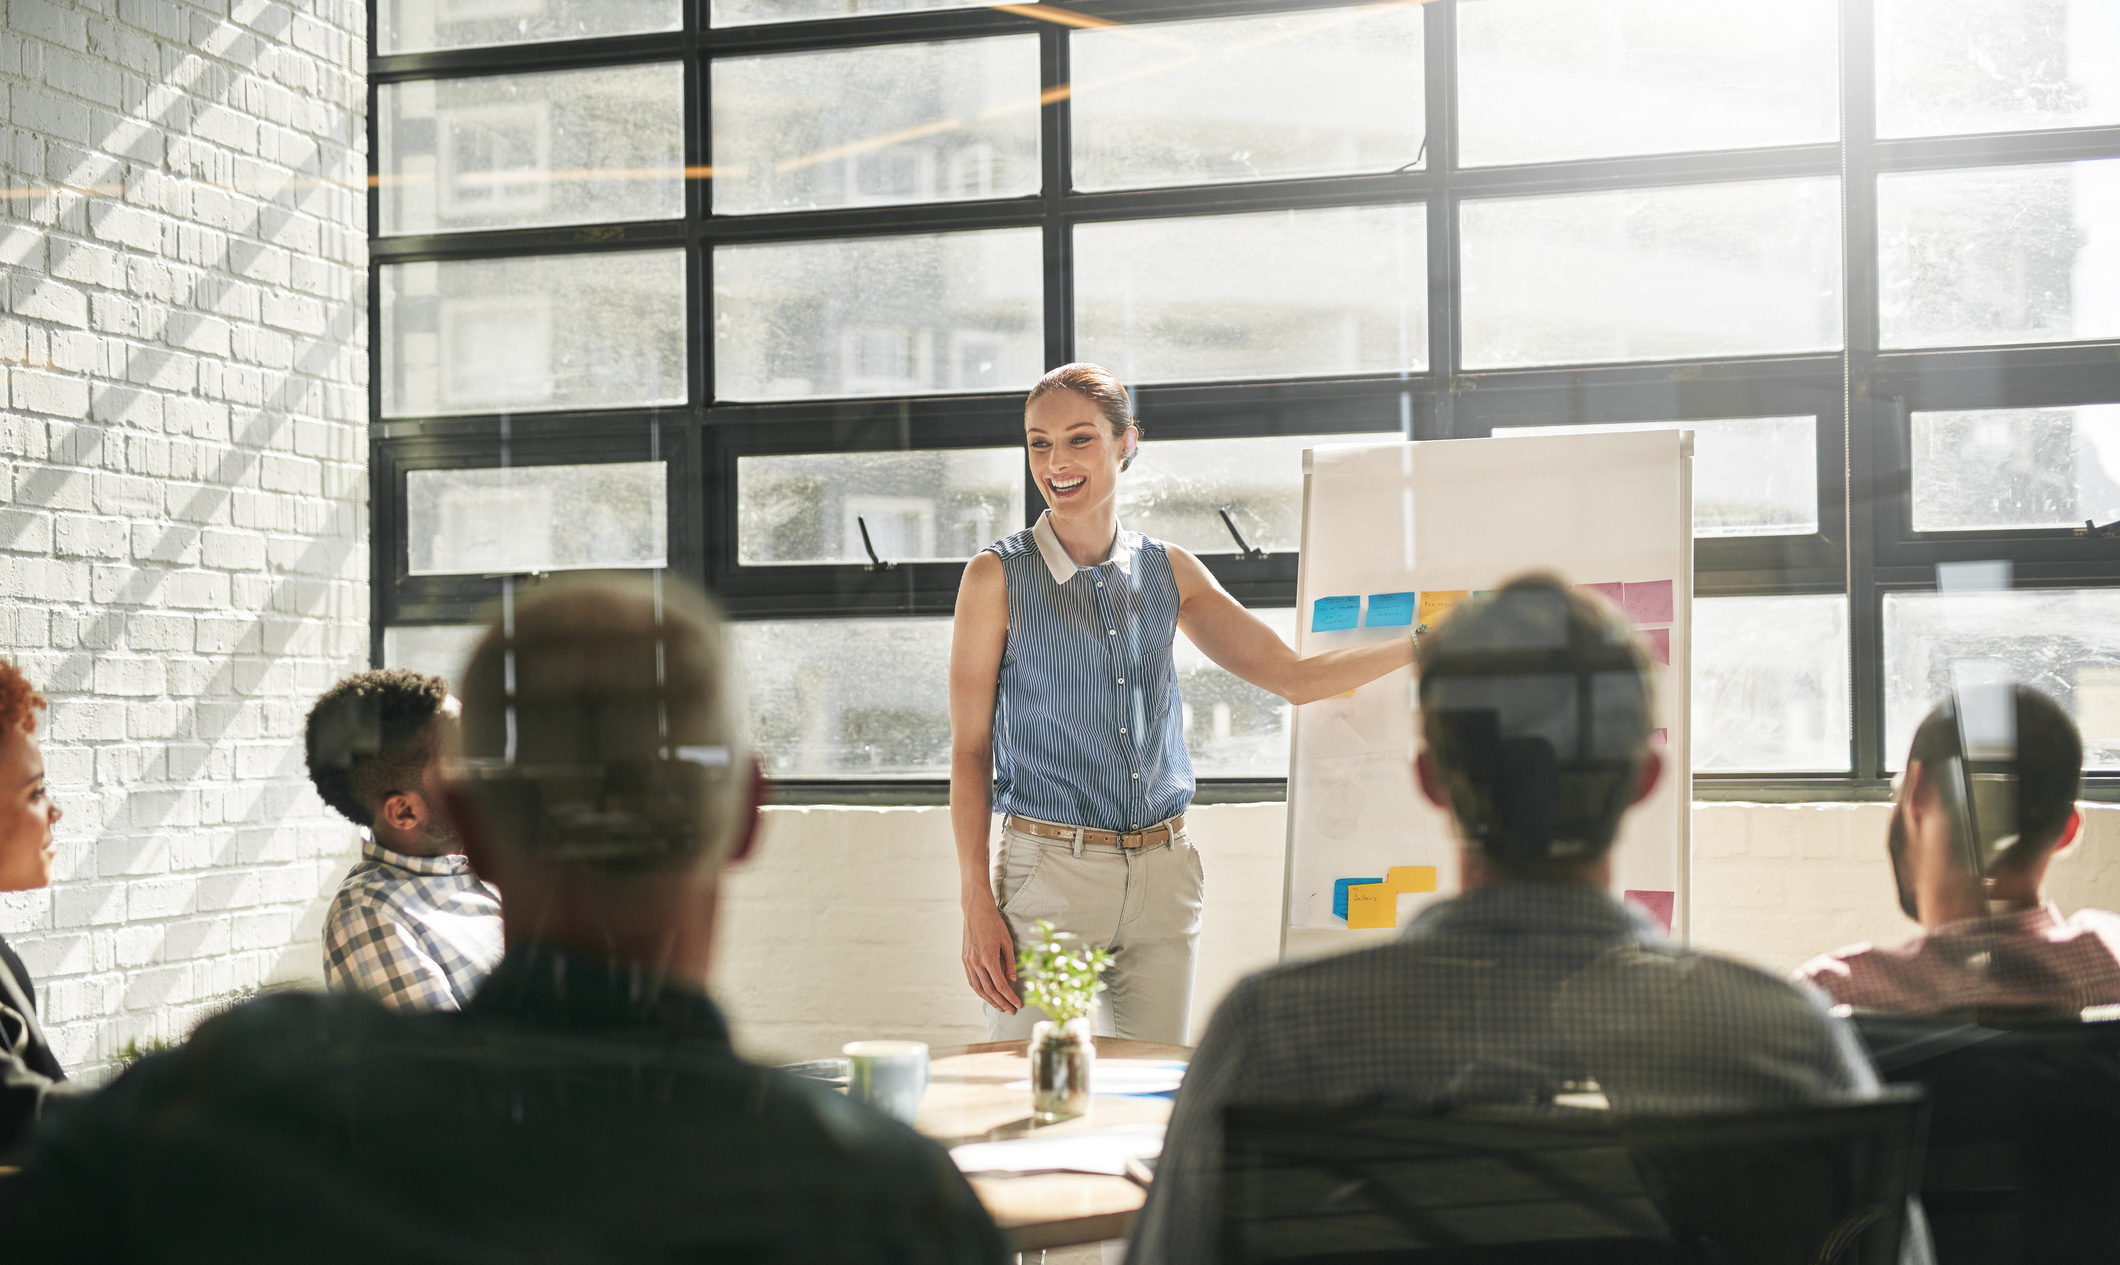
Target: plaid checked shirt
{"points": [[1510, 993], [2033, 958], [417, 933]]}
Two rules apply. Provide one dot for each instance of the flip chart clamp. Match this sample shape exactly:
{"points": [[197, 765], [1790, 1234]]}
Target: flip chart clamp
{"points": [[875, 563], [1244, 547]]}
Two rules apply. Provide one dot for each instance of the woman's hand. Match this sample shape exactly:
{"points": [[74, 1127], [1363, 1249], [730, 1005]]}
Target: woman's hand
{"points": [[990, 954]]}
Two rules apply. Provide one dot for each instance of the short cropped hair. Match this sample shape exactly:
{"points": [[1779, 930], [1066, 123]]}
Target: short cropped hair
{"points": [[2049, 767], [19, 700], [371, 736], [603, 726], [1536, 706], [1097, 384]]}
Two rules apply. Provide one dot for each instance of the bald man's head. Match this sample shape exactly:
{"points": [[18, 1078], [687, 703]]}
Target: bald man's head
{"points": [[602, 727]]}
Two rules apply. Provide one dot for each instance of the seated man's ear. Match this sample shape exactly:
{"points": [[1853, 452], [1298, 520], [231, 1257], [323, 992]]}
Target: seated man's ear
{"points": [[404, 811], [754, 801], [1431, 780], [2071, 831], [1646, 777]]}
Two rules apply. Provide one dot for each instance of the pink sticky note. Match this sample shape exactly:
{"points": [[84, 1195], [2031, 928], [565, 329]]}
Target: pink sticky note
{"points": [[1659, 737], [1659, 640], [1613, 593], [1657, 904], [1649, 602]]}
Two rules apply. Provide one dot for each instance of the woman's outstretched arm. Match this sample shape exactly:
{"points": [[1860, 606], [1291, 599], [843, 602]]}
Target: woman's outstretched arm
{"points": [[1241, 642]]}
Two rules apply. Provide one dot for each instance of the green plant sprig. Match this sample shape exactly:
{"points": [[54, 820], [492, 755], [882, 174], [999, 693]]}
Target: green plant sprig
{"points": [[1059, 980]]}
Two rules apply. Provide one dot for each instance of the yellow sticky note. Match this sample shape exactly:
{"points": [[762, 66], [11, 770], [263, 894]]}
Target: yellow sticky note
{"points": [[1410, 878], [1375, 906], [1436, 604], [1372, 907]]}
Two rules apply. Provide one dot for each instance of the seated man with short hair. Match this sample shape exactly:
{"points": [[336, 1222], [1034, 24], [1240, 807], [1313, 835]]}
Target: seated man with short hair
{"points": [[411, 925], [1535, 721], [587, 1104], [1989, 940]]}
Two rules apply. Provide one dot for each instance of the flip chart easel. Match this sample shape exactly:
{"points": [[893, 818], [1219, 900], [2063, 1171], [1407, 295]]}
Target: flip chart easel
{"points": [[1393, 535]]}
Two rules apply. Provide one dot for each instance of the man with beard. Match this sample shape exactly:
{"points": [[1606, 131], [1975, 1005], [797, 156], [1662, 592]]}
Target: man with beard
{"points": [[411, 925]]}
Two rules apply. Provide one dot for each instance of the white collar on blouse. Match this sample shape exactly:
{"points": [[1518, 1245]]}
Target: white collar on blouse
{"points": [[1063, 568]]}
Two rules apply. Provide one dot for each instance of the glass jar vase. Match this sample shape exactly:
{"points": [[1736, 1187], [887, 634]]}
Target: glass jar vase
{"points": [[1063, 1056]]}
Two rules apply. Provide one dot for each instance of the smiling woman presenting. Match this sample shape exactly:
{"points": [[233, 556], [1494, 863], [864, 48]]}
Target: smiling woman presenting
{"points": [[1064, 719]]}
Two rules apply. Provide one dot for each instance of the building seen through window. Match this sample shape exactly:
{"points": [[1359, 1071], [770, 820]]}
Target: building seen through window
{"points": [[759, 287]]}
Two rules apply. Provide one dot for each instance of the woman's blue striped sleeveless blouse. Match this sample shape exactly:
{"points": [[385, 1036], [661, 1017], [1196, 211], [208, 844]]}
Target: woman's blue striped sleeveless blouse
{"points": [[1088, 730]]}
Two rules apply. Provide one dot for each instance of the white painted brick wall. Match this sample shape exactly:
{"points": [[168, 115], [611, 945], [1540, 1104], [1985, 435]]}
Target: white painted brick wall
{"points": [[183, 538], [845, 923]]}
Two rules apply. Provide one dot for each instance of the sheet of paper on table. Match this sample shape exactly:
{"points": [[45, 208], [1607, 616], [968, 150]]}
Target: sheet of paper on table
{"points": [[1127, 1076], [1091, 1151]]}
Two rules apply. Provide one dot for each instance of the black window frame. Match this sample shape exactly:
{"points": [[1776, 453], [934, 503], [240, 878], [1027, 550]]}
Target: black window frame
{"points": [[1860, 395]]}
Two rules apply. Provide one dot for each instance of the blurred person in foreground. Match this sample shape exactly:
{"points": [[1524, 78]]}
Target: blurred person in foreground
{"points": [[28, 1069], [411, 925], [586, 1105], [1989, 940], [1535, 980]]}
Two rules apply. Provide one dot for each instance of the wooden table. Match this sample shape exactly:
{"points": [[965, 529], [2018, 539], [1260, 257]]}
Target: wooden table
{"points": [[967, 1102]]}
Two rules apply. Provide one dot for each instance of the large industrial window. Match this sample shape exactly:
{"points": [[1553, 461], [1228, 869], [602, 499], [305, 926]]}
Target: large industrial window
{"points": [[749, 289]]}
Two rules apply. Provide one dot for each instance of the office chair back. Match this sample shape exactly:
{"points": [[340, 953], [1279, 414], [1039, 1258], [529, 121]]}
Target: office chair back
{"points": [[2024, 1141], [1371, 1186]]}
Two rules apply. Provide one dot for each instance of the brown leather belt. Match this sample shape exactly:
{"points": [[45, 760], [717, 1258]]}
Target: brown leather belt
{"points": [[1161, 832]]}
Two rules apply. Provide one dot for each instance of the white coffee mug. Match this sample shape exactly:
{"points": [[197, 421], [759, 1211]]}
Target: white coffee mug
{"points": [[890, 1076]]}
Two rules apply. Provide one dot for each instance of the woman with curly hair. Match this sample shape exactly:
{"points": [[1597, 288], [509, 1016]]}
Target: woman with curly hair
{"points": [[27, 814]]}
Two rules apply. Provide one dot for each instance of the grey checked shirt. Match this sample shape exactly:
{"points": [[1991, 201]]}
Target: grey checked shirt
{"points": [[1508, 994], [417, 933]]}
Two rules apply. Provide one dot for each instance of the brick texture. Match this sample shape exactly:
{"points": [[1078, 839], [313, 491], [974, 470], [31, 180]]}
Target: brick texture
{"points": [[183, 536]]}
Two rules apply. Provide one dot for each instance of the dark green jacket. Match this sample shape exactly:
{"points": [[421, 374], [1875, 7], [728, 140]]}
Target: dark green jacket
{"points": [[577, 1110]]}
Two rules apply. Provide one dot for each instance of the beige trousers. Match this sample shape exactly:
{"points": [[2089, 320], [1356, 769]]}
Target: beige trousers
{"points": [[1141, 903]]}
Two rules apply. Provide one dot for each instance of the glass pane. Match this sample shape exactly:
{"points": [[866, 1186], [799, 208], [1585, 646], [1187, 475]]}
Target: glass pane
{"points": [[1770, 684], [848, 697], [413, 26], [879, 315], [1752, 476], [2062, 642], [576, 147], [532, 334], [752, 12], [919, 506], [440, 650], [1232, 728], [513, 519], [1954, 66], [1337, 290], [1999, 254], [1652, 274], [1541, 80], [1986, 469], [1177, 488], [1317, 93], [872, 126]]}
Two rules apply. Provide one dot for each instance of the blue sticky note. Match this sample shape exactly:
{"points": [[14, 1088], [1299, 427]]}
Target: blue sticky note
{"points": [[1390, 610], [1331, 614], [1339, 893]]}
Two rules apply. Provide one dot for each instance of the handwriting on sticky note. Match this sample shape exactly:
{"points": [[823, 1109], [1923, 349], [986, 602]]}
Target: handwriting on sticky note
{"points": [[1331, 614], [1339, 893], [1649, 602], [1390, 610], [1613, 593], [1436, 603], [1374, 905], [1659, 641], [1659, 905]]}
